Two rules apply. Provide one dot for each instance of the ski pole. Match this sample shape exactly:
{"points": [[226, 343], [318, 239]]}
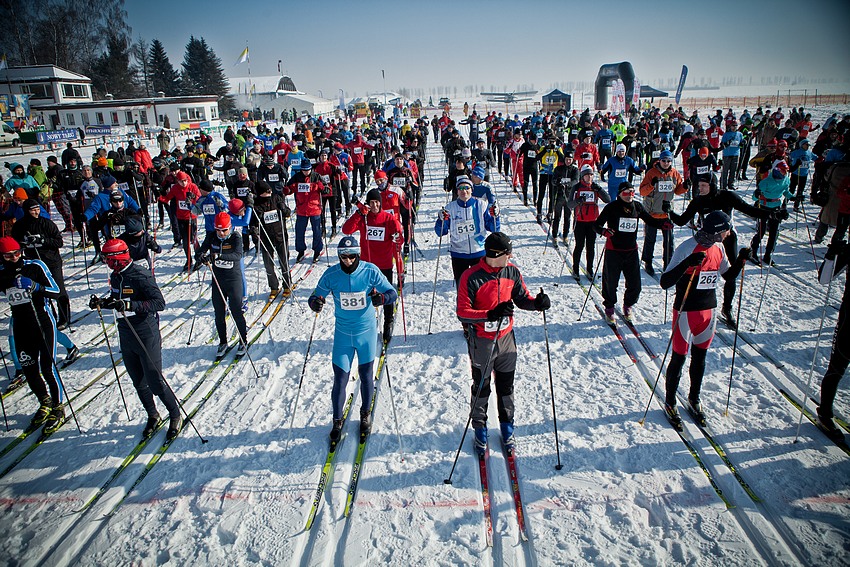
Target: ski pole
{"points": [[670, 342], [9, 376], [112, 358], [395, 415], [161, 375], [485, 372], [195, 314], [817, 347], [809, 232], [763, 288], [85, 256], [559, 466], [300, 382], [436, 271], [399, 267], [53, 363], [590, 288], [735, 341], [226, 303]]}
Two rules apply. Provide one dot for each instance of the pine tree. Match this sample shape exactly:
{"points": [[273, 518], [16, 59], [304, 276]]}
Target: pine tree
{"points": [[203, 74], [113, 73], [161, 73]]}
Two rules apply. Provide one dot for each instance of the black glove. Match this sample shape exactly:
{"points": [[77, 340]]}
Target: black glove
{"points": [[204, 259], [504, 309], [666, 206], [287, 212], [782, 214], [694, 259], [94, 302], [33, 240], [316, 303], [116, 303], [744, 254], [542, 302], [835, 248], [377, 298]]}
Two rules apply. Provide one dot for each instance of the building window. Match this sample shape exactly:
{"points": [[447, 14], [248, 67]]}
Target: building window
{"points": [[99, 117], [143, 117], [69, 118], [214, 112], [37, 91], [74, 91], [129, 116], [115, 118], [191, 114], [85, 117]]}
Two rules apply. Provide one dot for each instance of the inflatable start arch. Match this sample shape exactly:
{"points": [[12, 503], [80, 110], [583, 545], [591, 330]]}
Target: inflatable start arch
{"points": [[607, 75]]}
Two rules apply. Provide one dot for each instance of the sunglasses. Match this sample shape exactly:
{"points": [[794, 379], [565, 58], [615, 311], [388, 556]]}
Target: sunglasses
{"points": [[12, 255], [347, 256], [665, 160]]}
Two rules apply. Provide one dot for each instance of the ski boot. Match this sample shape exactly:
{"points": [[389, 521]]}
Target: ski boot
{"points": [[273, 294], [241, 350], [17, 381], [336, 431], [365, 424], [72, 355], [507, 436], [827, 425], [219, 353], [55, 420], [150, 426], [673, 416], [695, 409], [174, 423], [647, 266], [480, 440], [609, 315], [299, 257], [629, 314], [244, 305], [41, 415], [316, 256], [728, 318]]}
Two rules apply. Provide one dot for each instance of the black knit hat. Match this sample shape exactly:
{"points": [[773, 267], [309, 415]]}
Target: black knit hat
{"points": [[497, 244]]}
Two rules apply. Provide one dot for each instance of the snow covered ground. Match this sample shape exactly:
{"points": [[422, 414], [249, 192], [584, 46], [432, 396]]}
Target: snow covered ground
{"points": [[627, 494]]}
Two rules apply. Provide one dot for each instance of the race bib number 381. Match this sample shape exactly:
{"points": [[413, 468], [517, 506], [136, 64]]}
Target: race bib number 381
{"points": [[352, 301]]}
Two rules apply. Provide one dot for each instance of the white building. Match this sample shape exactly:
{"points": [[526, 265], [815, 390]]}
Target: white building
{"points": [[277, 93], [177, 112], [45, 85]]}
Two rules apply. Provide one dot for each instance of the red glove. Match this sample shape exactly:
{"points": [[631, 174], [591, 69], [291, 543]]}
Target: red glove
{"points": [[364, 210], [667, 225], [445, 214], [608, 232]]}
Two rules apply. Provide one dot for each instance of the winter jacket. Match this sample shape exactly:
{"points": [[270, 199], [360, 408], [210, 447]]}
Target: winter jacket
{"points": [[467, 226], [584, 199], [308, 193], [482, 288], [771, 192], [209, 206], [100, 204], [380, 236], [139, 286], [659, 187]]}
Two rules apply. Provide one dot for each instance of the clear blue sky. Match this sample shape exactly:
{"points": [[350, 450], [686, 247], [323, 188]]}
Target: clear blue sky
{"points": [[337, 44]]}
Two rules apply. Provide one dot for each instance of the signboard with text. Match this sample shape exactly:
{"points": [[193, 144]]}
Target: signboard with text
{"points": [[55, 136]]}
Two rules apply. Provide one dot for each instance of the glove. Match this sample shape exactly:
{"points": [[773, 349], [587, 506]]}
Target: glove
{"points": [[687, 184], [32, 240], [188, 202], [694, 259], [377, 298], [642, 167], [608, 232], [743, 254], [835, 248], [542, 302], [667, 225], [445, 214], [782, 214], [666, 206], [326, 190], [23, 282], [204, 259], [94, 302], [287, 212], [116, 304], [316, 303], [504, 309], [654, 181], [364, 210], [494, 210]]}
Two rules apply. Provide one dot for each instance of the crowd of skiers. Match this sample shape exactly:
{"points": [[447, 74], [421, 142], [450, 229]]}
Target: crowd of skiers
{"points": [[368, 180]]}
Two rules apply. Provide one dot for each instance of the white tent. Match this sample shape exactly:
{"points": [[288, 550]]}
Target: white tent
{"points": [[302, 103]]}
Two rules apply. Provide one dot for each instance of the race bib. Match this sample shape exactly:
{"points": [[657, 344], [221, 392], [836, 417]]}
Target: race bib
{"points": [[399, 181], [549, 160], [620, 173], [73, 192], [190, 166], [352, 300], [231, 173], [714, 134], [242, 191], [656, 154], [223, 264], [586, 196], [664, 186], [501, 134], [734, 143], [303, 187], [464, 227], [493, 326], [281, 152], [18, 296], [358, 150], [375, 233], [606, 142], [295, 162], [209, 209], [702, 170], [805, 164], [182, 205], [707, 280], [532, 154], [270, 217], [298, 143], [117, 230], [274, 177], [124, 187], [325, 179], [627, 225]]}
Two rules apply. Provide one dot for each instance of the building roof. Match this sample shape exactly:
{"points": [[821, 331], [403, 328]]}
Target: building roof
{"points": [[131, 102], [649, 92], [32, 73], [262, 84]]}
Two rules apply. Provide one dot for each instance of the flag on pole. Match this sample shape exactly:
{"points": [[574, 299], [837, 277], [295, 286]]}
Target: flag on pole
{"points": [[242, 57], [681, 83]]}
